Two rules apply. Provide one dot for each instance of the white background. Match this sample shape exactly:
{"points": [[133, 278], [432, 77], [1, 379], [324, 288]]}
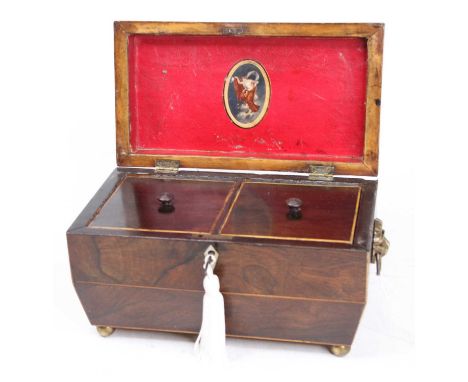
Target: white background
{"points": [[57, 147]]}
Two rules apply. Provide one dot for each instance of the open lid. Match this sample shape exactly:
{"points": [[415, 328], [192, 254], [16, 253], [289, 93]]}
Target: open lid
{"points": [[249, 96]]}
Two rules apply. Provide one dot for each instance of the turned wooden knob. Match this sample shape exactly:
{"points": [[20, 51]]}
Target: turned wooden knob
{"points": [[294, 205], [166, 199]]}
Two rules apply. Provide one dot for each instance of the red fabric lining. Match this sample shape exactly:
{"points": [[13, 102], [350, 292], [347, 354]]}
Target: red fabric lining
{"points": [[317, 105]]}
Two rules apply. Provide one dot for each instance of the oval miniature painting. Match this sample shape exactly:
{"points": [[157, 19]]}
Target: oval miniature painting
{"points": [[247, 93]]}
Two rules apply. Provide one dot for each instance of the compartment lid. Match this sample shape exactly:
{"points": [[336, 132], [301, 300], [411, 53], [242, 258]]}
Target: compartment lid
{"points": [[249, 96]]}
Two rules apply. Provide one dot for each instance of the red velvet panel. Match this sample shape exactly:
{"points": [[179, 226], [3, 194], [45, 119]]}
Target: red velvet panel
{"points": [[316, 110]]}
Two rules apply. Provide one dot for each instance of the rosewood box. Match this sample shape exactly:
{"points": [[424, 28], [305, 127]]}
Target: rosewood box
{"points": [[294, 109]]}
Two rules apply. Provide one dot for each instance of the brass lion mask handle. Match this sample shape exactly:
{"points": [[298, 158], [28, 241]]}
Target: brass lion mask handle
{"points": [[380, 245]]}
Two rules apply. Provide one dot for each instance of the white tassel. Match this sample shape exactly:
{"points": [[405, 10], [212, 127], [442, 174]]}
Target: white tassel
{"points": [[211, 342]]}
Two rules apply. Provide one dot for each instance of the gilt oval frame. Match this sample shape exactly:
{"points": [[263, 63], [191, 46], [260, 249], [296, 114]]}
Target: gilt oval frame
{"points": [[265, 103]]}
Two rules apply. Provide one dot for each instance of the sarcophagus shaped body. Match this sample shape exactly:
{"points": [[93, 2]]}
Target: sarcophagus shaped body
{"points": [[294, 248]]}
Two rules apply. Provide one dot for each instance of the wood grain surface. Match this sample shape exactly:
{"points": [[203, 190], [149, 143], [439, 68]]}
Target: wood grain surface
{"points": [[284, 271], [246, 316]]}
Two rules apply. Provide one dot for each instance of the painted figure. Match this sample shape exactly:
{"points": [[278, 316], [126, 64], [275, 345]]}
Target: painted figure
{"points": [[245, 88]]}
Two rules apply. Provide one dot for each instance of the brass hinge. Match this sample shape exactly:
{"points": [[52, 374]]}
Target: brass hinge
{"points": [[321, 172], [166, 166], [233, 30]]}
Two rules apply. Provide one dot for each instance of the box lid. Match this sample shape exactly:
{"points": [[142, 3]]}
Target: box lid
{"points": [[249, 96]]}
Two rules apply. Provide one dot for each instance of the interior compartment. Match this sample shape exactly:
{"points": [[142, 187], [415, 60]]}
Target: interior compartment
{"points": [[134, 205], [329, 212]]}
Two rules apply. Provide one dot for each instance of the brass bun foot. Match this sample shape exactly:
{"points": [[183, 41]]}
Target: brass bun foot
{"points": [[339, 350], [105, 331]]}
